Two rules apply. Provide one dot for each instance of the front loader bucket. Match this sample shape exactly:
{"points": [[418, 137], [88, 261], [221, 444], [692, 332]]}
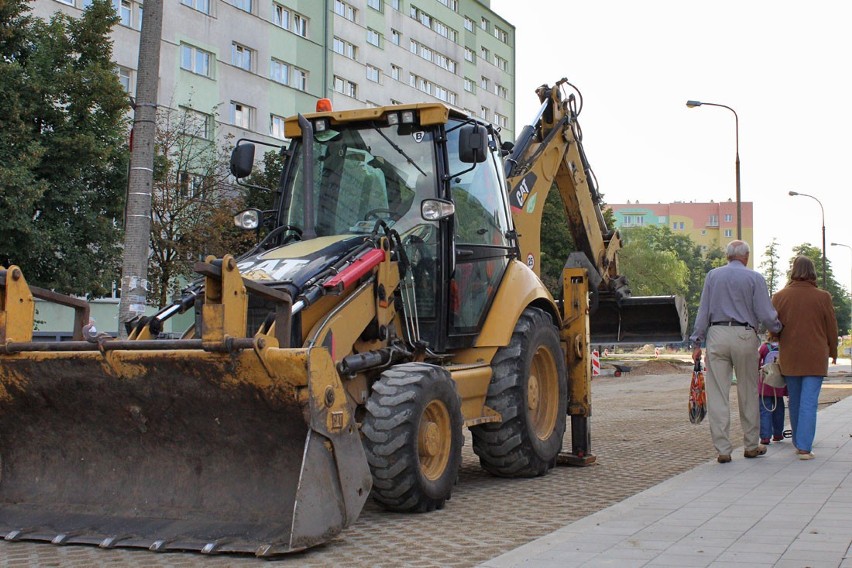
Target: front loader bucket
{"points": [[251, 450], [639, 319]]}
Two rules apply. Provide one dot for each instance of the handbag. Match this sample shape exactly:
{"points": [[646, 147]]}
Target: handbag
{"points": [[772, 376], [697, 395]]}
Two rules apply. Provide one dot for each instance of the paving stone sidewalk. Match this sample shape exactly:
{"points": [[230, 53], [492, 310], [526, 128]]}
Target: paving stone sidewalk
{"points": [[640, 434]]}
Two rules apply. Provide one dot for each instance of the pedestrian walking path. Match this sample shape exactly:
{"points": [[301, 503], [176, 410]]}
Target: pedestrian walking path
{"points": [[775, 510]]}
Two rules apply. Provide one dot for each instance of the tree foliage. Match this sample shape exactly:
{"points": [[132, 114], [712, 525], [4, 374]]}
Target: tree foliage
{"points": [[839, 297], [63, 156], [192, 205], [770, 266], [556, 242], [651, 263]]}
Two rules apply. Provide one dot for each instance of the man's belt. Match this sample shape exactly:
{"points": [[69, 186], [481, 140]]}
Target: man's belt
{"points": [[731, 323]]}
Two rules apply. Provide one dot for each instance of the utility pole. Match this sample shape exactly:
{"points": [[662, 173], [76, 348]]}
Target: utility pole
{"points": [[137, 212]]}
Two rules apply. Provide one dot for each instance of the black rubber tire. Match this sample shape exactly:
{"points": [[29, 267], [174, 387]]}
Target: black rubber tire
{"points": [[528, 440], [412, 434]]}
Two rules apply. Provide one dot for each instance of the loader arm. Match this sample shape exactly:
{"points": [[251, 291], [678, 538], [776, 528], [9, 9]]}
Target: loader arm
{"points": [[549, 153]]}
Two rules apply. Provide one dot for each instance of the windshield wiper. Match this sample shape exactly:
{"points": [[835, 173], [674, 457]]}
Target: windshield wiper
{"points": [[399, 150]]}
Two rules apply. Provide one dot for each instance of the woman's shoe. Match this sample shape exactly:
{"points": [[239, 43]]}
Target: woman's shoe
{"points": [[764, 441], [803, 455], [777, 438]]}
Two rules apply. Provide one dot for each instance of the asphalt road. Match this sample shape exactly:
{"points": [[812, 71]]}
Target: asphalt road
{"points": [[641, 436]]}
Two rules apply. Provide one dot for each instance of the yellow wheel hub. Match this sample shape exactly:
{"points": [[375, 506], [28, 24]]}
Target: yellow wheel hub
{"points": [[543, 393], [434, 440]]}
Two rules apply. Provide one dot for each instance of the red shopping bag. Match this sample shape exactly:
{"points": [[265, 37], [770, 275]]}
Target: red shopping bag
{"points": [[697, 396]]}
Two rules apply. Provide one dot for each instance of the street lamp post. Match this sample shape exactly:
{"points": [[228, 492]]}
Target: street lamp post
{"points": [[693, 104], [850, 285], [824, 286]]}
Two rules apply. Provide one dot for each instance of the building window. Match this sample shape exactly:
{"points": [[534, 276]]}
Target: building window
{"points": [[681, 225], [376, 4], [198, 124], [713, 221], [483, 83], [501, 120], [729, 232], [276, 126], [396, 37], [633, 220], [674, 226], [343, 9], [279, 71], [241, 56], [451, 4], [483, 23], [124, 78], [484, 53], [200, 5], [373, 74], [396, 72], [241, 115], [468, 54], [300, 79], [501, 63], [345, 87], [244, 5], [125, 12], [469, 85], [501, 91], [345, 48], [280, 16], [468, 24], [374, 37], [395, 4], [728, 217], [190, 185], [483, 113], [500, 34], [195, 60], [300, 25]]}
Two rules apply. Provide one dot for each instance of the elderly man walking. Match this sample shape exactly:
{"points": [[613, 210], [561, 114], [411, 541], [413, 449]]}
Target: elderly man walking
{"points": [[734, 301]]}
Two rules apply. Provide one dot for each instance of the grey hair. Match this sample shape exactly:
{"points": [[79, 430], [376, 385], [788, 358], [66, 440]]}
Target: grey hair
{"points": [[737, 249]]}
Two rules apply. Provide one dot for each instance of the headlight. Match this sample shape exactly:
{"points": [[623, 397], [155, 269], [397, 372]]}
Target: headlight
{"points": [[248, 219]]}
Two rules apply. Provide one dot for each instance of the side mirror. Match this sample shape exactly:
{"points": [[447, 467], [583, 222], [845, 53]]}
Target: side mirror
{"points": [[473, 144], [242, 160]]}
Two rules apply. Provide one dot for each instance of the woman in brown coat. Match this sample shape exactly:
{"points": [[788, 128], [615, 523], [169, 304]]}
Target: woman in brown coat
{"points": [[808, 340]]}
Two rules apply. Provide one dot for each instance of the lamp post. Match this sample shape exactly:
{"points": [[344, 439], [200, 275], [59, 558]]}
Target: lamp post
{"points": [[850, 286], [693, 104], [824, 287]]}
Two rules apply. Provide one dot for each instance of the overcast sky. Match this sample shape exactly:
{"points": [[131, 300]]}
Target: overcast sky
{"points": [[783, 66]]}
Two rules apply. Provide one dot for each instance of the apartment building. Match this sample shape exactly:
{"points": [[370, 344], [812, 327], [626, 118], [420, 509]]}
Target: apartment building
{"points": [[709, 225], [241, 66]]}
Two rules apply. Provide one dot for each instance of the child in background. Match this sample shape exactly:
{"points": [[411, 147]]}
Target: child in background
{"points": [[771, 399]]}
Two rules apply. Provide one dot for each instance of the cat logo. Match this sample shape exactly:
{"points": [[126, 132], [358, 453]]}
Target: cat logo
{"points": [[522, 191]]}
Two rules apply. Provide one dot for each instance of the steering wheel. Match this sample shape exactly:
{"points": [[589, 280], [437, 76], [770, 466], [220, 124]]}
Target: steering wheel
{"points": [[377, 214]]}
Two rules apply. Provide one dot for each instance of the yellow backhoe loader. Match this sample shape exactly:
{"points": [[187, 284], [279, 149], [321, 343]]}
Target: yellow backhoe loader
{"points": [[393, 300]]}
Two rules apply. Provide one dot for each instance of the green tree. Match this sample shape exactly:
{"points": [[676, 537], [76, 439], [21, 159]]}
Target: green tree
{"points": [[192, 204], [556, 242], [839, 297], [651, 263], [62, 143], [770, 267]]}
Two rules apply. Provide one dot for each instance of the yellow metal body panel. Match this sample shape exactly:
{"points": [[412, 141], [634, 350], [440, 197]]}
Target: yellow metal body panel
{"points": [[575, 335], [17, 308], [225, 304], [519, 288], [429, 114]]}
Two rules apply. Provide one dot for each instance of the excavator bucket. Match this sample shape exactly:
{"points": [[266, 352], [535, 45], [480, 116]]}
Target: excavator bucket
{"points": [[215, 446], [639, 319]]}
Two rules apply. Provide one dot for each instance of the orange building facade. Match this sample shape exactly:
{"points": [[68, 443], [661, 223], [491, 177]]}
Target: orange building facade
{"points": [[709, 225]]}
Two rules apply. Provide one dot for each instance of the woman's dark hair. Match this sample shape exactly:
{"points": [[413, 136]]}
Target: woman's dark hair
{"points": [[803, 270]]}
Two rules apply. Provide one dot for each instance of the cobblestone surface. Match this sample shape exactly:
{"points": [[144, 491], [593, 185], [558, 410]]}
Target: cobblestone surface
{"points": [[641, 436]]}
